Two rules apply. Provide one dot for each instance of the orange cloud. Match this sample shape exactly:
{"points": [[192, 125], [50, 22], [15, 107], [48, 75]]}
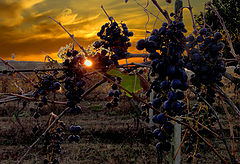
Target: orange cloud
{"points": [[11, 11]]}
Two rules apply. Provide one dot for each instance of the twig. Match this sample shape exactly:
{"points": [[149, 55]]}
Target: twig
{"points": [[135, 64], [13, 98], [225, 29], [72, 36], [204, 20], [110, 18], [129, 55], [19, 88], [149, 11], [191, 13], [155, 20], [31, 98], [92, 88], [228, 100], [164, 13]]}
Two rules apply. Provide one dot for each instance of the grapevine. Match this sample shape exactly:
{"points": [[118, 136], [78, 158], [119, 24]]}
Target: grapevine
{"points": [[178, 98]]}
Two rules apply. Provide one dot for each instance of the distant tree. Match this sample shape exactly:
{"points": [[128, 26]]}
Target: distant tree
{"points": [[229, 11]]}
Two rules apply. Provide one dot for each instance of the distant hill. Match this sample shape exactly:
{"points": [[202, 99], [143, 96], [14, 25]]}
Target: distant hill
{"points": [[22, 64]]}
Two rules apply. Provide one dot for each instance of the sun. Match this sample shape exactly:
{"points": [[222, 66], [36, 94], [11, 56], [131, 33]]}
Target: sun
{"points": [[88, 63]]}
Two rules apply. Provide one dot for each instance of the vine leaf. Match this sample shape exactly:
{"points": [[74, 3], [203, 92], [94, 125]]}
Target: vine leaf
{"points": [[132, 83]]}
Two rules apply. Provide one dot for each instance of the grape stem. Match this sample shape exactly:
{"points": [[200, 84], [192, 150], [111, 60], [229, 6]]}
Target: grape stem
{"points": [[72, 36]]}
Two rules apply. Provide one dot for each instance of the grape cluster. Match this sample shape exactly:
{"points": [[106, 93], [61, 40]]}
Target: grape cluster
{"points": [[170, 77], [205, 60], [52, 141], [74, 130], [167, 68], [163, 135], [115, 38], [114, 94], [47, 83], [73, 82]]}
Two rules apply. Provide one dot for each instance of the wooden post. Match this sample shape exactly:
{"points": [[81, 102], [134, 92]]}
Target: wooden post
{"points": [[176, 142], [150, 111]]}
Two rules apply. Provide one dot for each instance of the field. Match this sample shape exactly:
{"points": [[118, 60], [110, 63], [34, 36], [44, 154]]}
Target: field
{"points": [[120, 135]]}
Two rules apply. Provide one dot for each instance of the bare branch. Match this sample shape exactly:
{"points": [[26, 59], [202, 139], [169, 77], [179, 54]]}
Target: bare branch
{"points": [[228, 100], [164, 13], [72, 36], [129, 55]]}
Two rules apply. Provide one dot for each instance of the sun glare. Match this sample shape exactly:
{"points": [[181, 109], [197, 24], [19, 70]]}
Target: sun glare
{"points": [[88, 63]]}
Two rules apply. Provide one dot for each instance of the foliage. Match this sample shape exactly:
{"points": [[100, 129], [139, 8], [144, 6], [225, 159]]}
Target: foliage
{"points": [[228, 9]]}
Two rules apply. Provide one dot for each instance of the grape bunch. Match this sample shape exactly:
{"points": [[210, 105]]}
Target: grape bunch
{"points": [[47, 83], [114, 94], [170, 77], [114, 38], [205, 60], [74, 130], [73, 82], [163, 134], [167, 68], [52, 141]]}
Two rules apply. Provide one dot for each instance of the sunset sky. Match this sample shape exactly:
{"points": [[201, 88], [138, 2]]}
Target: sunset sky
{"points": [[26, 30]]}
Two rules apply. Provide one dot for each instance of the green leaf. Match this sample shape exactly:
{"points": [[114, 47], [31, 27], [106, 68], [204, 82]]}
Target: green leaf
{"points": [[129, 82]]}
